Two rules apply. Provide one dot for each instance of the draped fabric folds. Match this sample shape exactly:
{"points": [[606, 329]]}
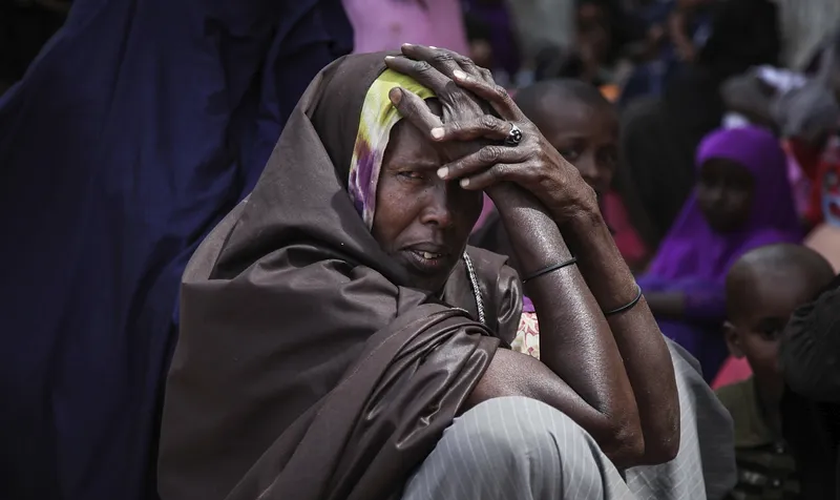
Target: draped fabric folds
{"points": [[306, 368], [138, 126]]}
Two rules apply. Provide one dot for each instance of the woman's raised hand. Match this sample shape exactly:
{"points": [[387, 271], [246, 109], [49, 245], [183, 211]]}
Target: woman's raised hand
{"points": [[533, 164]]}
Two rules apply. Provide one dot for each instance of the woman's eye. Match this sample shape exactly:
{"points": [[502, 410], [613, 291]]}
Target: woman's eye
{"points": [[412, 175]]}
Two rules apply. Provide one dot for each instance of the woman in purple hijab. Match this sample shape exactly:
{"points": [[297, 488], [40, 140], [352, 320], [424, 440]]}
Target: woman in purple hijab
{"points": [[742, 200]]}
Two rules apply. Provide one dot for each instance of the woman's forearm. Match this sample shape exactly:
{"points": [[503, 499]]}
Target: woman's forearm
{"points": [[646, 356], [575, 338]]}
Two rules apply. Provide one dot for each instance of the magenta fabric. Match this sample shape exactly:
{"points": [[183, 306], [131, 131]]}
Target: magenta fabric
{"points": [[734, 370], [527, 305], [384, 25], [486, 210], [693, 249], [800, 184]]}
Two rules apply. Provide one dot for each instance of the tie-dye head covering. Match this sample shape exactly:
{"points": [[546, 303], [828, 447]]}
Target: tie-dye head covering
{"points": [[377, 119]]}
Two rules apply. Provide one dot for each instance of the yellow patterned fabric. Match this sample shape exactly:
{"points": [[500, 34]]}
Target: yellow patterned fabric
{"points": [[377, 119]]}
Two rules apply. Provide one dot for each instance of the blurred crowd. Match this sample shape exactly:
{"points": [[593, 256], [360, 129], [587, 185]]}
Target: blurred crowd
{"points": [[693, 87], [676, 69]]}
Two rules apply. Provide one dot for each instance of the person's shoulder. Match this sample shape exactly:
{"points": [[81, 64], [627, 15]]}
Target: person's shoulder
{"points": [[736, 397]]}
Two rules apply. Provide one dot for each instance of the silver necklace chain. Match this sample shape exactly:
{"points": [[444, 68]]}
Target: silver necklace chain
{"points": [[479, 302]]}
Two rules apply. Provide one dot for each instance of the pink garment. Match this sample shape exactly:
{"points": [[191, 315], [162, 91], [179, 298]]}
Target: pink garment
{"points": [[799, 182], [734, 370], [626, 238], [386, 24]]}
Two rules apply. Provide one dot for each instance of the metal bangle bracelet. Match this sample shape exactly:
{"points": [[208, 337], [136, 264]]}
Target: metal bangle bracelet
{"points": [[549, 269], [629, 305]]}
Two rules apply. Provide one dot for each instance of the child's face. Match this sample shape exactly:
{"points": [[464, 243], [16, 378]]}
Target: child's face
{"points": [[755, 332], [587, 137], [725, 194]]}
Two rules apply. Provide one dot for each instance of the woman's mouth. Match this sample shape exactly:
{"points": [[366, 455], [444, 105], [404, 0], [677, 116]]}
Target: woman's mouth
{"points": [[428, 262]]}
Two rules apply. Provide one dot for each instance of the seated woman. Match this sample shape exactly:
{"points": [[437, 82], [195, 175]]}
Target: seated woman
{"points": [[742, 201], [340, 340]]}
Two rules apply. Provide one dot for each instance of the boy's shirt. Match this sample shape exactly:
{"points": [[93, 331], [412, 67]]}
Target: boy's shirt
{"points": [[766, 468]]}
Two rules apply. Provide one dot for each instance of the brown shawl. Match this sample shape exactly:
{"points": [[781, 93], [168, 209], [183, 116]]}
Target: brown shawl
{"points": [[305, 368]]}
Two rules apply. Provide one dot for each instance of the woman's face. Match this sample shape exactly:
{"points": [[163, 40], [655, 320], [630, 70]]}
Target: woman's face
{"points": [[422, 221], [725, 194]]}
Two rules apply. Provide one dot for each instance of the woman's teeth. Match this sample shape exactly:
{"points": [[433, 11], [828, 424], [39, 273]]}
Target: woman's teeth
{"points": [[430, 255]]}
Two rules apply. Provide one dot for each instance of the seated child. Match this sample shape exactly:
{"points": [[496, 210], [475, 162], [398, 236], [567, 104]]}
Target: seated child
{"points": [[583, 126], [763, 288]]}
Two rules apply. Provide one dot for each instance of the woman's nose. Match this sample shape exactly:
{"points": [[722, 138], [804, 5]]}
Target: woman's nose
{"points": [[438, 206]]}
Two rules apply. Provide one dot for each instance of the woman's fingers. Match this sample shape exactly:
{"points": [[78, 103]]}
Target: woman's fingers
{"points": [[487, 127], [484, 158], [496, 95], [414, 109], [439, 59], [424, 73], [445, 60], [481, 181]]}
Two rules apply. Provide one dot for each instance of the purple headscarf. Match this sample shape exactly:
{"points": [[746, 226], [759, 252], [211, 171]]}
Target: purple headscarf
{"points": [[693, 250]]}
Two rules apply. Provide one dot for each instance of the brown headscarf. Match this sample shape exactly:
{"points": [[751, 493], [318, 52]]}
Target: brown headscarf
{"points": [[306, 368]]}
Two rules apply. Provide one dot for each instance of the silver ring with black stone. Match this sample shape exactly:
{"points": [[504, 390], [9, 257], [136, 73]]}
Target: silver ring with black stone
{"points": [[514, 136]]}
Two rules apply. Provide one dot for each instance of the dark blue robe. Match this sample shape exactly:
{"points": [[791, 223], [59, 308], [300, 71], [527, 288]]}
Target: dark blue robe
{"points": [[140, 124]]}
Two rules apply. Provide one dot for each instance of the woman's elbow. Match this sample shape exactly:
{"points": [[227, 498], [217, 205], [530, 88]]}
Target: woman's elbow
{"points": [[662, 435], [663, 440], [625, 444], [628, 446], [661, 449]]}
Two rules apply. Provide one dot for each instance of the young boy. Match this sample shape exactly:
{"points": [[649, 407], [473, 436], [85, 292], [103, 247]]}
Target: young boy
{"points": [[583, 126], [579, 122], [763, 289]]}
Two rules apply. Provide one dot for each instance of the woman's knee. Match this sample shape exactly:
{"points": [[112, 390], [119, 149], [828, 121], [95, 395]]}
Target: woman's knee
{"points": [[516, 429], [515, 448]]}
